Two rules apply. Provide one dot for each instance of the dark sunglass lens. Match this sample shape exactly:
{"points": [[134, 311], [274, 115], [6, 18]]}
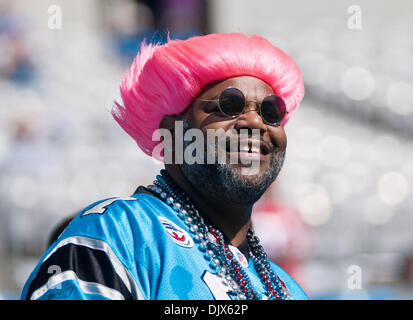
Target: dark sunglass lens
{"points": [[273, 109], [232, 102]]}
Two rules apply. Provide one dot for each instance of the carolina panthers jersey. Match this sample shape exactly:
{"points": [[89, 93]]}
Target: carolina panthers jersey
{"points": [[133, 248]]}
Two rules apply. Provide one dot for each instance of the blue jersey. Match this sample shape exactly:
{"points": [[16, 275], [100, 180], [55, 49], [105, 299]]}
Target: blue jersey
{"points": [[132, 248]]}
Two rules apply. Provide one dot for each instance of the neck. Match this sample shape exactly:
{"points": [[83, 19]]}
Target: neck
{"points": [[232, 219]]}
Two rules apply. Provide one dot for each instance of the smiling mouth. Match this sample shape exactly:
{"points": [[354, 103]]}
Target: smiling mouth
{"points": [[251, 147]]}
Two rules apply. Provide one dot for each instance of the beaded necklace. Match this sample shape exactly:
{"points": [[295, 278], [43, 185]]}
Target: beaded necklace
{"points": [[211, 243]]}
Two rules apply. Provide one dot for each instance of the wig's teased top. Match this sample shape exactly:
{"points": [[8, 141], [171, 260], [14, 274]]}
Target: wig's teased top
{"points": [[165, 79]]}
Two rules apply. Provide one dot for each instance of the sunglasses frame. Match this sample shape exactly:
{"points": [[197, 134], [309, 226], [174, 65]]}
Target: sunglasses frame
{"points": [[276, 124]]}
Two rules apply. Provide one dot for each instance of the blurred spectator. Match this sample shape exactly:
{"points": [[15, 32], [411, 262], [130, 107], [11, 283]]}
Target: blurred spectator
{"points": [[132, 22], [407, 276], [183, 18], [58, 229], [15, 63]]}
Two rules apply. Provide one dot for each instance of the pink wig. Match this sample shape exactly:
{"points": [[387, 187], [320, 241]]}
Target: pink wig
{"points": [[165, 79]]}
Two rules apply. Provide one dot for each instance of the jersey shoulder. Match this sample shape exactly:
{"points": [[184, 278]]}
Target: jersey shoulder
{"points": [[102, 252], [116, 219]]}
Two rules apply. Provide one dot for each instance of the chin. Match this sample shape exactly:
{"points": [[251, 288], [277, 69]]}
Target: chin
{"points": [[253, 173], [243, 188]]}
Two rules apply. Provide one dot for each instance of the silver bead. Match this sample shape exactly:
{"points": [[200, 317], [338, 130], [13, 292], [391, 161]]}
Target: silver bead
{"points": [[242, 296], [194, 228], [204, 244], [216, 262], [234, 285], [169, 200], [188, 220], [176, 206], [222, 271], [210, 253], [163, 195]]}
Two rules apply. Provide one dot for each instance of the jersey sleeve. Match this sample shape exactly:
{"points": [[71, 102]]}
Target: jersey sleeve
{"points": [[91, 259]]}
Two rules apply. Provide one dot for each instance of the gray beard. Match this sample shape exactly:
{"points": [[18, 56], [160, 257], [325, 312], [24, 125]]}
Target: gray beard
{"points": [[221, 181]]}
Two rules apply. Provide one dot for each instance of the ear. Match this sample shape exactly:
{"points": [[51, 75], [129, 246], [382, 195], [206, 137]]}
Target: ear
{"points": [[168, 142], [168, 122]]}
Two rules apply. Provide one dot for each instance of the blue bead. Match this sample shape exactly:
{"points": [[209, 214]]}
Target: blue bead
{"points": [[213, 265]]}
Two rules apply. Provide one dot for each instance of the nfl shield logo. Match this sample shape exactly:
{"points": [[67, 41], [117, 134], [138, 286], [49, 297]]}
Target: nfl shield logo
{"points": [[178, 235], [239, 256]]}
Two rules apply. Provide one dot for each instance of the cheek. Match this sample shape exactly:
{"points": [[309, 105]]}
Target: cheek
{"points": [[205, 121], [198, 118], [279, 137]]}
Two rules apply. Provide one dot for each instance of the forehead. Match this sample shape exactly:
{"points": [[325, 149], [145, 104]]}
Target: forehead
{"points": [[249, 85]]}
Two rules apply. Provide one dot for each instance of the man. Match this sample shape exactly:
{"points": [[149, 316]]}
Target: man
{"points": [[188, 236]]}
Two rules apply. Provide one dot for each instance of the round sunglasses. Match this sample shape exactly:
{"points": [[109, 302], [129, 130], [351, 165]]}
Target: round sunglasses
{"points": [[232, 103]]}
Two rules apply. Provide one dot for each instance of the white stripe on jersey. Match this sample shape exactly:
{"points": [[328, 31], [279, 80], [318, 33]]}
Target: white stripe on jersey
{"points": [[103, 246], [87, 287]]}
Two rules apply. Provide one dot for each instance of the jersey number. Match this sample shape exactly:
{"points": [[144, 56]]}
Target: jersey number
{"points": [[101, 207], [219, 290]]}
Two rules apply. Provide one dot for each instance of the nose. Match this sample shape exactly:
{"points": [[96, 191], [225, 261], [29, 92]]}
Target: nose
{"points": [[251, 119]]}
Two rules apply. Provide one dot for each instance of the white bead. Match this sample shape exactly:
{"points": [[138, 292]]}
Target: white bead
{"points": [[222, 271], [234, 285]]}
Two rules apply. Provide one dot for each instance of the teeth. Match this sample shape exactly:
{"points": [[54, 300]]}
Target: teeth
{"points": [[247, 147], [255, 149]]}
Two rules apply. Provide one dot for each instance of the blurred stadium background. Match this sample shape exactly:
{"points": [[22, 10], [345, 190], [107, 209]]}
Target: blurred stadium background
{"points": [[338, 219]]}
